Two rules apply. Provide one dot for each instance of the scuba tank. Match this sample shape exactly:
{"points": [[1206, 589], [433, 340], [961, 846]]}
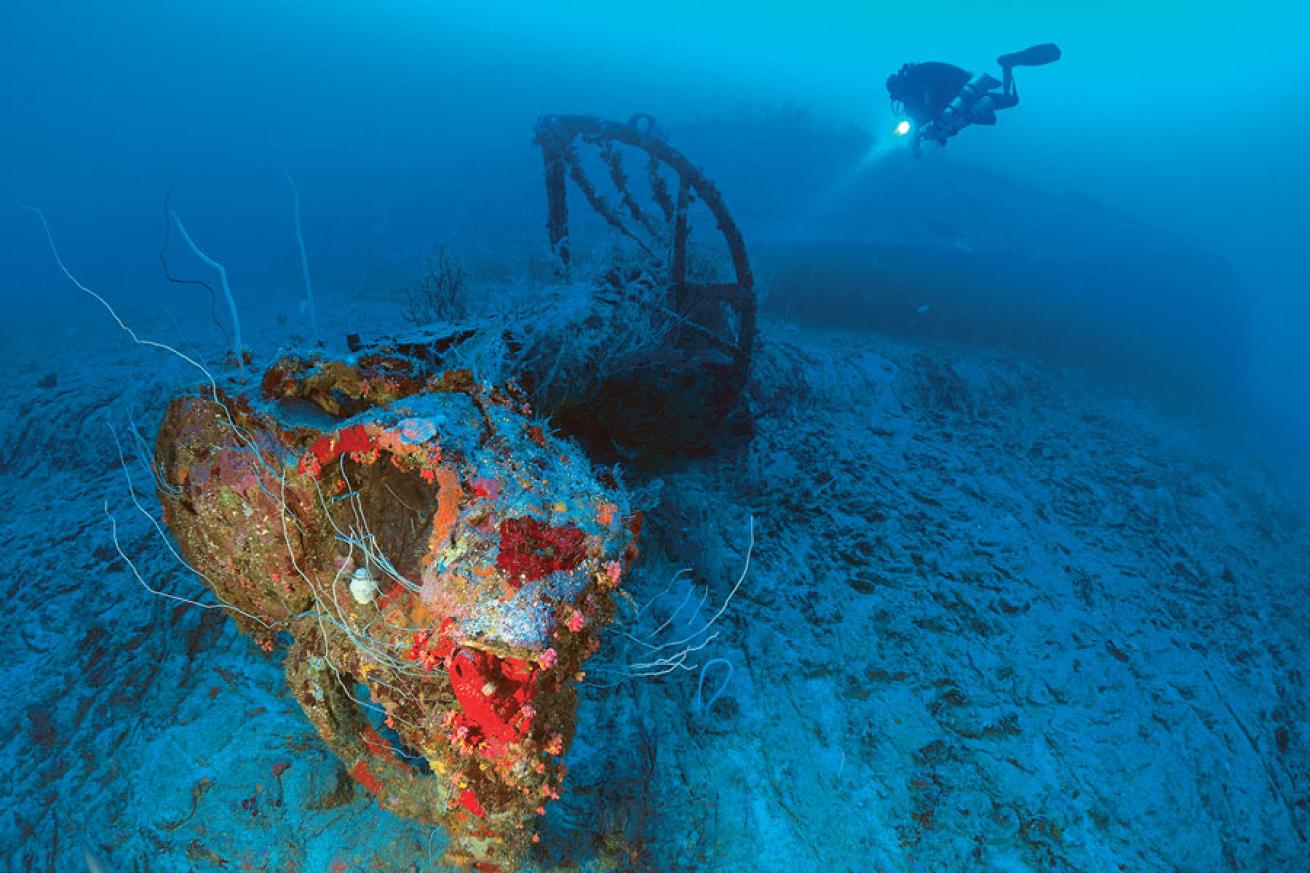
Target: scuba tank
{"points": [[973, 105]]}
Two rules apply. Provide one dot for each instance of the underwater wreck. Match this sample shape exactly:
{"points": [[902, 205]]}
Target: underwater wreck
{"points": [[687, 397], [441, 563], [999, 614]]}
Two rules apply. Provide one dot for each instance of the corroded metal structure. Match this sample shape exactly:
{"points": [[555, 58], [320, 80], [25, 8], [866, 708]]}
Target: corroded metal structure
{"points": [[719, 315], [442, 565]]}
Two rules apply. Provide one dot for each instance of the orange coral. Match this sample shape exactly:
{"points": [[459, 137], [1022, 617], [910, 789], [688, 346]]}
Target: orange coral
{"points": [[449, 494]]}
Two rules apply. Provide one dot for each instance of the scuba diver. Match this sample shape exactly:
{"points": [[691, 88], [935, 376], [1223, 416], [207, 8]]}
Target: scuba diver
{"points": [[940, 100]]}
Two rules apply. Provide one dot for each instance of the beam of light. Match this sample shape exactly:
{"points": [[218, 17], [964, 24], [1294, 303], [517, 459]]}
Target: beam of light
{"points": [[882, 148], [886, 145]]}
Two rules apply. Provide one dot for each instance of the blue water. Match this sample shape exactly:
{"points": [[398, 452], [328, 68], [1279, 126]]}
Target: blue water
{"points": [[1026, 463]]}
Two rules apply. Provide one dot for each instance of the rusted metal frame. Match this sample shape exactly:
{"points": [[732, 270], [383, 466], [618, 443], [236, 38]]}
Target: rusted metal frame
{"points": [[613, 159], [597, 201], [557, 201], [659, 189], [713, 200], [678, 258], [702, 186], [569, 126], [565, 128]]}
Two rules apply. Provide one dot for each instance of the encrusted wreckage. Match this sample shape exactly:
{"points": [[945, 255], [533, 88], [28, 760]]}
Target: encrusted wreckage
{"points": [[442, 565], [689, 398], [721, 314]]}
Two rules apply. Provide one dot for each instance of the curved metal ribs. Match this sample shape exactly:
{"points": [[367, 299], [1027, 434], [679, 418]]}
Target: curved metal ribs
{"points": [[721, 314]]}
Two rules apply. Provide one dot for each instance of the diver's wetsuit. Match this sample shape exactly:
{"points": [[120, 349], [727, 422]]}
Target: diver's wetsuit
{"points": [[925, 90]]}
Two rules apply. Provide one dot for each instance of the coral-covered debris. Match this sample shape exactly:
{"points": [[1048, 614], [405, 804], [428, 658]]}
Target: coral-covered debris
{"points": [[419, 535]]}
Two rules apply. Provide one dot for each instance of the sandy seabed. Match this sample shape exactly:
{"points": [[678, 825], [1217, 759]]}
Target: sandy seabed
{"points": [[997, 618]]}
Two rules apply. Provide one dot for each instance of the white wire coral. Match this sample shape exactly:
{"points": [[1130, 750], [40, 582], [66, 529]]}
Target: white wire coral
{"points": [[682, 634]]}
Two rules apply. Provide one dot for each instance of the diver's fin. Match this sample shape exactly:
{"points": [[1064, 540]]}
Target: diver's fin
{"points": [[1034, 56]]}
